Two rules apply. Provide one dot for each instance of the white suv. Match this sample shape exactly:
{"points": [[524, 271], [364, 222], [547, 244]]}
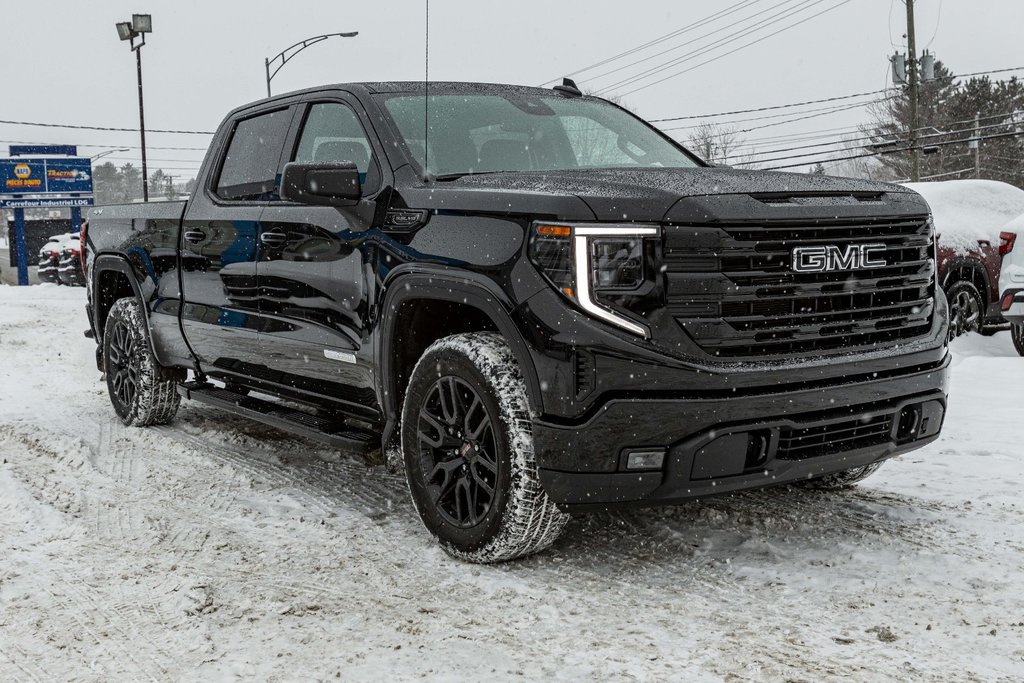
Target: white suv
{"points": [[1011, 279]]}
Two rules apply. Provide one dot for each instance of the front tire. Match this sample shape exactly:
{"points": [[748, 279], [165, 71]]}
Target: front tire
{"points": [[839, 480], [136, 382], [467, 444]]}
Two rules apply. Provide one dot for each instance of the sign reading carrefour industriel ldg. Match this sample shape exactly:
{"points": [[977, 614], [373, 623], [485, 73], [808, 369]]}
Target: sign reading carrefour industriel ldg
{"points": [[46, 176]]}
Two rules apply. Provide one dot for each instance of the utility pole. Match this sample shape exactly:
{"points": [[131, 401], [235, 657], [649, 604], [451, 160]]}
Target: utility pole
{"points": [[915, 122], [976, 144]]}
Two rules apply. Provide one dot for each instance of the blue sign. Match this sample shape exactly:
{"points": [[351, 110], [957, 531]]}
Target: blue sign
{"points": [[46, 176], [45, 202], [33, 150]]}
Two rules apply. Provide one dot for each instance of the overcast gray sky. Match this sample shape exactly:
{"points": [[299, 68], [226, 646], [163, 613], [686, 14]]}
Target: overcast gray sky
{"points": [[62, 61]]}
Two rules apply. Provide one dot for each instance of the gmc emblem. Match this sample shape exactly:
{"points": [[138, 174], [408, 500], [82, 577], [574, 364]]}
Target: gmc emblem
{"points": [[829, 257]]}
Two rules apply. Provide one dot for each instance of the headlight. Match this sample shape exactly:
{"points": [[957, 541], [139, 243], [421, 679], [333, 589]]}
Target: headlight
{"points": [[584, 260]]}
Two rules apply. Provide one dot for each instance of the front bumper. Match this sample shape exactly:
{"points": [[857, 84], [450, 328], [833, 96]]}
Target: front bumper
{"points": [[738, 441]]}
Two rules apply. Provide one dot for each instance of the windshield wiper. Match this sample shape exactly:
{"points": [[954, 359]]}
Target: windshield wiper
{"points": [[456, 176]]}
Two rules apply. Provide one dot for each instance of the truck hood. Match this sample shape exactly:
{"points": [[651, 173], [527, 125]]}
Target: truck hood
{"points": [[646, 194]]}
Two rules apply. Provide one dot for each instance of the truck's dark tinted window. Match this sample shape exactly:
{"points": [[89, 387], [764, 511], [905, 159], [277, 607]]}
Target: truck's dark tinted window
{"points": [[251, 166], [524, 132], [332, 132]]}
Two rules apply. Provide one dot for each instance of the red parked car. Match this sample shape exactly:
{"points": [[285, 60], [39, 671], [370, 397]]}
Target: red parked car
{"points": [[968, 217], [69, 265]]}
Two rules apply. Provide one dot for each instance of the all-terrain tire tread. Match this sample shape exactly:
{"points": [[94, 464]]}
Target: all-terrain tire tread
{"points": [[531, 521], [157, 399]]}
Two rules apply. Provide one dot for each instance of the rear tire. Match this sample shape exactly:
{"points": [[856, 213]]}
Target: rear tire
{"points": [[839, 480], [966, 308], [139, 390], [1017, 334], [467, 444]]}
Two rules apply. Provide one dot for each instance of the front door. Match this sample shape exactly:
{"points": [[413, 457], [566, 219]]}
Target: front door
{"points": [[219, 254], [315, 270]]}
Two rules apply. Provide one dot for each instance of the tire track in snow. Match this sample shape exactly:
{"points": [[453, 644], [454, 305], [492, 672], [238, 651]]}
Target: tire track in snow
{"points": [[25, 664], [77, 603], [296, 464]]}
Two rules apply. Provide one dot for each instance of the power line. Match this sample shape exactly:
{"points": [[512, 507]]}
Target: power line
{"points": [[826, 110], [824, 100], [668, 36], [105, 128], [804, 118], [815, 134], [731, 38], [895, 134], [959, 131], [182, 161], [741, 47], [691, 42], [106, 146], [778, 106], [895, 151]]}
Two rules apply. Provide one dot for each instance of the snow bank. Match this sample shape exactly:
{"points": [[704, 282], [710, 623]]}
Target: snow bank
{"points": [[967, 211]]}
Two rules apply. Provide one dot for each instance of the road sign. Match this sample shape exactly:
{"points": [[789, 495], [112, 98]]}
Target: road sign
{"points": [[46, 176], [45, 202], [35, 150]]}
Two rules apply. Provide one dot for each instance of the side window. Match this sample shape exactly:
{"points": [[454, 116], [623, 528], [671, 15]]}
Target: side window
{"points": [[250, 168], [332, 132]]}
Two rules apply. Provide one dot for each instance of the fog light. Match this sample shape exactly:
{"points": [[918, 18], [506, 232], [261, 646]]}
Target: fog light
{"points": [[648, 459]]}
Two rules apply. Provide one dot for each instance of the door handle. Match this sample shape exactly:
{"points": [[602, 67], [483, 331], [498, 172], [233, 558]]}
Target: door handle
{"points": [[194, 236], [273, 238]]}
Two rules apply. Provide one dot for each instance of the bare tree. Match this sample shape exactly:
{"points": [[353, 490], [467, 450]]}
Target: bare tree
{"points": [[716, 144]]}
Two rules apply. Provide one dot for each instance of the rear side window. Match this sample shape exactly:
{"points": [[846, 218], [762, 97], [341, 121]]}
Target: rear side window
{"points": [[250, 168], [332, 133]]}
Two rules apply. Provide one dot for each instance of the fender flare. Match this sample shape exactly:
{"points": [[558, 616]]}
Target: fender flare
{"points": [[964, 263], [444, 284], [107, 262]]}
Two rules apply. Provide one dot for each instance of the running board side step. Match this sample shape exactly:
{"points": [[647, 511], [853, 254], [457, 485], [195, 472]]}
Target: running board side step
{"points": [[333, 432]]}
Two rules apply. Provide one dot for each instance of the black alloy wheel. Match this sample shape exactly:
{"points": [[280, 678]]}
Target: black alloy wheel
{"points": [[965, 309], [142, 392], [467, 446], [457, 452], [122, 365]]}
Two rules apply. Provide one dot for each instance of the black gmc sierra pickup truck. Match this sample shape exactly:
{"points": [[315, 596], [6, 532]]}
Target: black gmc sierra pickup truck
{"points": [[538, 303]]}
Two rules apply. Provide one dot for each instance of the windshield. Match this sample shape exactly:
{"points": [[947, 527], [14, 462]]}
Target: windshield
{"points": [[517, 132]]}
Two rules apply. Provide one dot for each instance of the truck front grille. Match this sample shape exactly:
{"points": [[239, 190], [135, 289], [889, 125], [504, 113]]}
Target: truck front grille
{"points": [[733, 288]]}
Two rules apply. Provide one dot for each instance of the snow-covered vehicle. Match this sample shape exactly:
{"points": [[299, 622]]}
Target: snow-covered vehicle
{"points": [[49, 259], [53, 256], [69, 264], [968, 216], [1011, 279]]}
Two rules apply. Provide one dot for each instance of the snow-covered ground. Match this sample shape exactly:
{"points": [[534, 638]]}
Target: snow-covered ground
{"points": [[219, 549]]}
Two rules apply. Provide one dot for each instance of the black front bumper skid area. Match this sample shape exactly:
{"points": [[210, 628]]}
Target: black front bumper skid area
{"points": [[717, 446]]}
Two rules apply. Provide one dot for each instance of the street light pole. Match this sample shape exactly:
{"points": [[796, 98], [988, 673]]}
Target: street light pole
{"points": [[94, 157], [140, 25], [301, 45], [142, 122]]}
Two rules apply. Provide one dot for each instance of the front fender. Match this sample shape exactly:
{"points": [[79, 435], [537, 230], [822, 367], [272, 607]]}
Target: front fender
{"points": [[443, 283]]}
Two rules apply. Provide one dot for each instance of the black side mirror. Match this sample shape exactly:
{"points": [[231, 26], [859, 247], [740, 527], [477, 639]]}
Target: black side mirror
{"points": [[323, 184]]}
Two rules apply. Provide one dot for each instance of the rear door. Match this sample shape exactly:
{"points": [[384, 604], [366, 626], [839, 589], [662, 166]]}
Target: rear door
{"points": [[220, 233], [315, 275]]}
